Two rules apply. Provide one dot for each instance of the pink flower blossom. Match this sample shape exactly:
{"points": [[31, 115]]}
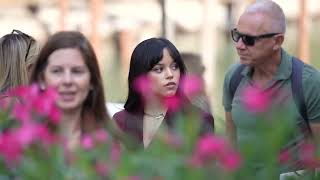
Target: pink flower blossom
{"points": [[209, 146], [26, 134], [31, 99], [195, 161], [102, 169], [46, 137], [20, 91], [26, 92], [173, 140], [231, 161], [307, 156], [31, 132], [51, 93], [10, 148], [284, 157], [192, 85], [87, 142], [5, 103], [101, 136], [142, 85], [255, 99], [54, 115], [21, 112], [44, 104], [115, 153], [173, 103], [32, 105]]}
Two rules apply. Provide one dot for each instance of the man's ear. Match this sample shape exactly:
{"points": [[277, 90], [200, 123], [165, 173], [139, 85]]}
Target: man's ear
{"points": [[278, 39]]}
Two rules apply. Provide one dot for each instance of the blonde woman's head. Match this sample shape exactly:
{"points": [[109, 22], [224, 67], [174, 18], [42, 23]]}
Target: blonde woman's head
{"points": [[18, 53]]}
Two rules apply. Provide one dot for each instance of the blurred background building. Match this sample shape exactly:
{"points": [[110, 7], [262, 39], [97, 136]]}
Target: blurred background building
{"points": [[199, 26]]}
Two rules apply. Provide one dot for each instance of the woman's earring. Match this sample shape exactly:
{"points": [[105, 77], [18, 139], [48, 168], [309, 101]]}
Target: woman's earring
{"points": [[42, 86]]}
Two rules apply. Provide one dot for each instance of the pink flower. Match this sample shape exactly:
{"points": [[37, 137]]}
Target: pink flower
{"points": [[30, 132], [32, 105], [209, 146], [142, 85], [20, 91], [44, 102], [192, 85], [173, 103], [51, 93], [102, 169], [46, 137], [26, 93], [5, 104], [255, 100], [284, 157], [26, 134], [21, 112], [307, 156], [101, 136], [115, 153], [87, 142], [231, 161], [54, 115], [195, 161], [173, 140], [10, 148], [42, 105], [33, 100]]}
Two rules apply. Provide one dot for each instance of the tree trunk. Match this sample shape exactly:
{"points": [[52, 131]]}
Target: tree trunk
{"points": [[209, 44], [303, 32], [96, 17], [64, 6], [127, 41], [167, 26]]}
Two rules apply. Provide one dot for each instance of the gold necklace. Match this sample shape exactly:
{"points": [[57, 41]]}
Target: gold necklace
{"points": [[157, 116]]}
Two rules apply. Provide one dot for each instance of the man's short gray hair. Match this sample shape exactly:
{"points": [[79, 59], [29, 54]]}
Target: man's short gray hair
{"points": [[273, 11]]}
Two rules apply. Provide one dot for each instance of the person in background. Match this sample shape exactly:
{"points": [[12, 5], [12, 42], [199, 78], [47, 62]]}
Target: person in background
{"points": [[268, 73], [68, 63], [18, 54], [155, 74], [196, 69]]}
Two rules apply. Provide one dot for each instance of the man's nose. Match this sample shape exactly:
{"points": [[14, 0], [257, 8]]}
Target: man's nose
{"points": [[240, 44]]}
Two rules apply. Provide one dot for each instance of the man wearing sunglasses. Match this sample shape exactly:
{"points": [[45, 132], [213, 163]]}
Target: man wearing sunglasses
{"points": [[266, 71]]}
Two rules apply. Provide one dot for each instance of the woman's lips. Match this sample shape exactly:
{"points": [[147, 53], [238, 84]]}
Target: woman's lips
{"points": [[171, 85], [67, 96]]}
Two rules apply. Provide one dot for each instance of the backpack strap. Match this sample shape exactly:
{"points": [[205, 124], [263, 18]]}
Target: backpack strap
{"points": [[235, 80], [296, 86], [297, 91]]}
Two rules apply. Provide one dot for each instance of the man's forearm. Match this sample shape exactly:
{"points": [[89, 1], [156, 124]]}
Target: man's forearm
{"points": [[230, 129]]}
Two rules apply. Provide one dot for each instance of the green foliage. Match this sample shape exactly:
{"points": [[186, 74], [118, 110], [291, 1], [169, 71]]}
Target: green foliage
{"points": [[181, 154]]}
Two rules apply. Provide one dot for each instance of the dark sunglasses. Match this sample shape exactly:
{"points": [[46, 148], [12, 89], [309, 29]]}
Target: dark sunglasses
{"points": [[31, 40], [249, 40]]}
